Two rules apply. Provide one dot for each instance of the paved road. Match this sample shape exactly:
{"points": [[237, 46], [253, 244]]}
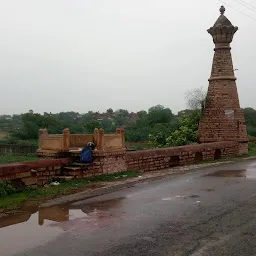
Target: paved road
{"points": [[208, 212]]}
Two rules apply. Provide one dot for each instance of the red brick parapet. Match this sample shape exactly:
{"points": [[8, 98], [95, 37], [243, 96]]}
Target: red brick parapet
{"points": [[33, 173], [40, 172], [157, 159]]}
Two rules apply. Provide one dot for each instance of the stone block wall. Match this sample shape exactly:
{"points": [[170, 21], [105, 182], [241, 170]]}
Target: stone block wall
{"points": [[104, 163], [157, 159], [32, 173], [111, 162], [40, 172]]}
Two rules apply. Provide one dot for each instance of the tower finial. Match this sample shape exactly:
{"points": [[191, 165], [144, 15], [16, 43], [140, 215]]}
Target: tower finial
{"points": [[222, 10]]}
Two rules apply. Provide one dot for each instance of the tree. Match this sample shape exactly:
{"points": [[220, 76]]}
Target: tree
{"points": [[185, 134], [158, 135], [142, 114], [110, 111], [121, 118], [250, 118], [91, 125], [195, 98], [159, 114], [108, 125]]}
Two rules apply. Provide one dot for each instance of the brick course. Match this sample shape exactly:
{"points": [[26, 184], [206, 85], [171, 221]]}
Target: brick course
{"points": [[33, 173], [157, 159], [40, 172]]}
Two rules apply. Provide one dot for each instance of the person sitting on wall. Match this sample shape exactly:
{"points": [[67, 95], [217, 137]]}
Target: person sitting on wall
{"points": [[86, 155]]}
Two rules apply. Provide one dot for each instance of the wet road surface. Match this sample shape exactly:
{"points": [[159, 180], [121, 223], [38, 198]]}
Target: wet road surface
{"points": [[208, 212]]}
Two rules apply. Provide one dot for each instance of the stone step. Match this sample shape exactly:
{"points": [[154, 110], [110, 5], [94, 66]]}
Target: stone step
{"points": [[76, 164], [64, 178], [80, 164], [72, 168]]}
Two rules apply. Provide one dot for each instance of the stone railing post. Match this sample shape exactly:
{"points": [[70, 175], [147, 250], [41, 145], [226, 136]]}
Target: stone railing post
{"points": [[96, 137], [40, 138], [118, 131], [42, 134], [101, 139], [66, 139], [123, 137]]}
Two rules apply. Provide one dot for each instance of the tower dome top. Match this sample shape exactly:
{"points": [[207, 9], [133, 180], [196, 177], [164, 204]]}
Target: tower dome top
{"points": [[222, 30], [222, 20]]}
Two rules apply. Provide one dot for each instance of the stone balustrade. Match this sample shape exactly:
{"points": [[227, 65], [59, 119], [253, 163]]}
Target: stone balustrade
{"points": [[54, 145]]}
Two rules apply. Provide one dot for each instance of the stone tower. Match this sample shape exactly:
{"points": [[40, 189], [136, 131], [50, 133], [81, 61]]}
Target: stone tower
{"points": [[223, 119]]}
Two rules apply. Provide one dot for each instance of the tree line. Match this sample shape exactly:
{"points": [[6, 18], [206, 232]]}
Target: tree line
{"points": [[158, 126]]}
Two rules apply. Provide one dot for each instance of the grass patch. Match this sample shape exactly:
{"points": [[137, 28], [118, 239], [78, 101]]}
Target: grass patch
{"points": [[14, 199], [5, 159], [252, 149]]}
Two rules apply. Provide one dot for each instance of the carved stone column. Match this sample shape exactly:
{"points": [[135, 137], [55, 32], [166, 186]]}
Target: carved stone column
{"points": [[101, 139], [66, 139]]}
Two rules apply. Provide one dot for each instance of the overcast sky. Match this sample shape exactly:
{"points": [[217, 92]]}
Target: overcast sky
{"points": [[81, 55]]}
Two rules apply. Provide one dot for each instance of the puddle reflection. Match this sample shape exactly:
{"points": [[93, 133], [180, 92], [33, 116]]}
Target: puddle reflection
{"points": [[38, 225], [61, 213], [229, 173], [249, 173]]}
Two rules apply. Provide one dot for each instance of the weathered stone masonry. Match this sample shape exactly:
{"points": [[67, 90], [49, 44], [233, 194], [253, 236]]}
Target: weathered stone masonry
{"points": [[40, 172], [33, 173], [157, 159], [223, 119]]}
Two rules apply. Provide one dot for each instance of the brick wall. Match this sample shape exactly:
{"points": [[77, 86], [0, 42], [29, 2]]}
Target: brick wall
{"points": [[104, 163], [40, 172], [111, 162], [157, 159], [222, 63], [32, 173]]}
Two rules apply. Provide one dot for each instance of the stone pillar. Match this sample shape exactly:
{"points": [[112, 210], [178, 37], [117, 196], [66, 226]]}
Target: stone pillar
{"points": [[66, 139], [223, 119], [41, 135], [123, 137], [118, 131], [96, 137], [40, 138], [101, 139]]}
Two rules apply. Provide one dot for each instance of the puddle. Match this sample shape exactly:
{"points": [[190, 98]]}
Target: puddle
{"points": [[101, 204], [26, 234], [229, 173], [37, 226], [249, 173]]}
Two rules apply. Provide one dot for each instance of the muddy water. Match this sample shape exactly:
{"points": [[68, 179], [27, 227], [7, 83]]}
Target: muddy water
{"points": [[34, 226], [248, 173]]}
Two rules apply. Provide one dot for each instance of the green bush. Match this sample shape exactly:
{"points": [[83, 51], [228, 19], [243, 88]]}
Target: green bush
{"points": [[6, 188], [185, 134]]}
